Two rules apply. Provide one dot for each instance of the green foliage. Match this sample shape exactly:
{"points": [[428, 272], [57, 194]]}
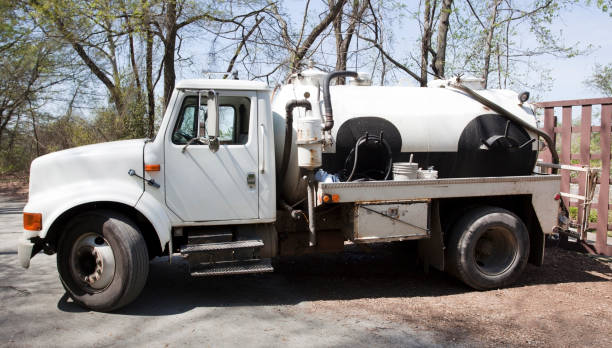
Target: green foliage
{"points": [[604, 5], [573, 214], [510, 56], [601, 80]]}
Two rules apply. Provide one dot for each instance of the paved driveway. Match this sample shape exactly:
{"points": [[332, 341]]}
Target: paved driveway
{"points": [[359, 298], [176, 310]]}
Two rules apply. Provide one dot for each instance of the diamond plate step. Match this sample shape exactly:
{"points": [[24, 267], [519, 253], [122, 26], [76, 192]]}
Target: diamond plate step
{"points": [[219, 237], [212, 247], [232, 267]]}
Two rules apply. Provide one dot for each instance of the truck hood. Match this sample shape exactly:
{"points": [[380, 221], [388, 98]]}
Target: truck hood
{"points": [[87, 165]]}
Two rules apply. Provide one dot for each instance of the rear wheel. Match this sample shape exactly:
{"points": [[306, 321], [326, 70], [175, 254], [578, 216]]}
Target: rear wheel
{"points": [[102, 260], [488, 248]]}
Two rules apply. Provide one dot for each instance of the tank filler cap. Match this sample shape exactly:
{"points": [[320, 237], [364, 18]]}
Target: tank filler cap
{"points": [[363, 79], [474, 83], [311, 76]]}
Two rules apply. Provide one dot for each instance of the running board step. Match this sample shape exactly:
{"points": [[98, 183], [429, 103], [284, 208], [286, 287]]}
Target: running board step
{"points": [[232, 267], [212, 247], [219, 237]]}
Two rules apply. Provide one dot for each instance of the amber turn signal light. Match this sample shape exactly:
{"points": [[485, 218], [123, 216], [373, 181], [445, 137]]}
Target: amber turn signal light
{"points": [[331, 198], [152, 167], [32, 221]]}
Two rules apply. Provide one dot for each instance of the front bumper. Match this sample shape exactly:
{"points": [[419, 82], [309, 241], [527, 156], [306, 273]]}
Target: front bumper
{"points": [[24, 252]]}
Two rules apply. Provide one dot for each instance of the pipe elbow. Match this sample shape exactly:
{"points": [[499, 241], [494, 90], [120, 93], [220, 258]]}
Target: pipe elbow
{"points": [[294, 103], [329, 114]]}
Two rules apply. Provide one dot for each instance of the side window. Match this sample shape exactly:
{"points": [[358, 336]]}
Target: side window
{"points": [[185, 128], [227, 124], [234, 115]]}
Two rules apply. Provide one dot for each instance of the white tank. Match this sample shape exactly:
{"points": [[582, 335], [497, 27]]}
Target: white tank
{"points": [[442, 127]]}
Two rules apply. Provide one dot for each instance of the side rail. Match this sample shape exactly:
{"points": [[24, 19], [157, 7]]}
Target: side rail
{"points": [[579, 226], [582, 132]]}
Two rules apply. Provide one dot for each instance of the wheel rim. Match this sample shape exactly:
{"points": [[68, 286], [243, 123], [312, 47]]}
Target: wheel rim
{"points": [[92, 262], [496, 251]]}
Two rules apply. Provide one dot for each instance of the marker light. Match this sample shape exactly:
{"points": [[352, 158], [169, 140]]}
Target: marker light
{"points": [[32, 221], [152, 167], [331, 198]]}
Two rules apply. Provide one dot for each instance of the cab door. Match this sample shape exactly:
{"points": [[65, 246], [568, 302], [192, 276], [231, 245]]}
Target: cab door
{"points": [[202, 185]]}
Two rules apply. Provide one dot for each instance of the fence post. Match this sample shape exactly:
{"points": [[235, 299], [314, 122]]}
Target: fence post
{"points": [[601, 242], [585, 154]]}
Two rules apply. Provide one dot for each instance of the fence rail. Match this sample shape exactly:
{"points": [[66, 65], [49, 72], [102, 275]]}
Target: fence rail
{"points": [[583, 157]]}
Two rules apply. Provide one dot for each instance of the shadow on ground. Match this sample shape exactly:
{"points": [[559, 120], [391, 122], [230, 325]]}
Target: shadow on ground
{"points": [[381, 272]]}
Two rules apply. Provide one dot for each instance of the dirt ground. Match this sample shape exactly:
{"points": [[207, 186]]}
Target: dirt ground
{"points": [[372, 297], [565, 303], [14, 187]]}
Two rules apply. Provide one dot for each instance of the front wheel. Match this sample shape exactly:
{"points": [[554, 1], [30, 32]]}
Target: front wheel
{"points": [[488, 248], [102, 260]]}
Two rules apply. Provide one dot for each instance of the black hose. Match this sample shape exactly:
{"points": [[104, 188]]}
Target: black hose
{"points": [[289, 132], [509, 116], [329, 115], [364, 139]]}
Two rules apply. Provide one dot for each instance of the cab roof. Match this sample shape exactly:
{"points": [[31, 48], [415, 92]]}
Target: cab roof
{"points": [[222, 84]]}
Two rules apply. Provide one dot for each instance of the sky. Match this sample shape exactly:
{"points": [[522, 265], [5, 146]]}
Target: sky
{"points": [[585, 25]]}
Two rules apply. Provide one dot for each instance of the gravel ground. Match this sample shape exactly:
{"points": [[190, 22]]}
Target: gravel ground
{"points": [[359, 298]]}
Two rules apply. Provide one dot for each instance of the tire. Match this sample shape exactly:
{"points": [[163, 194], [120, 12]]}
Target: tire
{"points": [[103, 261], [488, 248]]}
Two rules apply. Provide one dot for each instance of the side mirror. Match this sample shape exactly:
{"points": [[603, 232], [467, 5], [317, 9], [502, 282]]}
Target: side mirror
{"points": [[212, 122]]}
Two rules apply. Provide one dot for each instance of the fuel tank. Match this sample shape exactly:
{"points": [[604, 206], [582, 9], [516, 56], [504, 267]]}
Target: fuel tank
{"points": [[440, 127]]}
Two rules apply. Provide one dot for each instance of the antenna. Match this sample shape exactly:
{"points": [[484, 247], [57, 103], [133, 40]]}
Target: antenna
{"points": [[234, 73]]}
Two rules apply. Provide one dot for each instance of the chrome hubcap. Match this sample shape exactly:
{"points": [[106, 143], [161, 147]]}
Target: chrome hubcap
{"points": [[92, 261]]}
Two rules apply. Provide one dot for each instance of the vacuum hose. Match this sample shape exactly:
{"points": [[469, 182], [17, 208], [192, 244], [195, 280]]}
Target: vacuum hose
{"points": [[329, 115], [378, 140]]}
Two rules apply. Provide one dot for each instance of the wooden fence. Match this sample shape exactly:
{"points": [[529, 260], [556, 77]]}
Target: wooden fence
{"points": [[583, 157]]}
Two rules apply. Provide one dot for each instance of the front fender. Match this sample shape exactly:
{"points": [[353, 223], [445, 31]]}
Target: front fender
{"points": [[157, 216], [55, 201]]}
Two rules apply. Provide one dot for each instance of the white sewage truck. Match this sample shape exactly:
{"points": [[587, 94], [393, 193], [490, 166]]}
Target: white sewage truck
{"points": [[239, 174]]}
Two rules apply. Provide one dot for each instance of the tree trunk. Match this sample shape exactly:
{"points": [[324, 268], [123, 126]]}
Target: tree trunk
{"points": [[168, 58], [301, 51], [149, 74], [343, 43], [340, 58], [426, 41], [443, 25], [133, 55], [489, 42], [93, 67]]}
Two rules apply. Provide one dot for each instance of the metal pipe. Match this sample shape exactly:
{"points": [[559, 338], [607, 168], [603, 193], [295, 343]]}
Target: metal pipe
{"points": [[312, 241], [289, 132], [510, 116], [329, 115], [296, 214]]}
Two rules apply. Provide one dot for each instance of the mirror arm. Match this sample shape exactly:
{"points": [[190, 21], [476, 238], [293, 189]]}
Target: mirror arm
{"points": [[201, 140]]}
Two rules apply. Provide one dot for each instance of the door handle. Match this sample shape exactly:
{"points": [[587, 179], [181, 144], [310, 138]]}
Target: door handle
{"points": [[251, 180], [262, 163]]}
